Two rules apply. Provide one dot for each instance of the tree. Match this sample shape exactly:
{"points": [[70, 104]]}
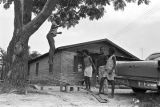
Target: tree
{"points": [[33, 55], [64, 12]]}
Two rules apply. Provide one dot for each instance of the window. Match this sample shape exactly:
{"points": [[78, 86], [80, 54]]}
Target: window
{"points": [[37, 68], [78, 63]]}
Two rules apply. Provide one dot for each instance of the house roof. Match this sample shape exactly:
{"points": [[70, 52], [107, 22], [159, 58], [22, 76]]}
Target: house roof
{"points": [[86, 43]]}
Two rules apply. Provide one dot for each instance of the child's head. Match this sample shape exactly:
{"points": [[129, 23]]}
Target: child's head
{"points": [[85, 52], [111, 51], [101, 50]]}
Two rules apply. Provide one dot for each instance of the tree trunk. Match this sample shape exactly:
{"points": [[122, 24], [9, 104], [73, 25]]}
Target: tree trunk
{"points": [[17, 51]]}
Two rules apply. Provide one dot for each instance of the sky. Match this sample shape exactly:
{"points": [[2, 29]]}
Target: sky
{"points": [[136, 29]]}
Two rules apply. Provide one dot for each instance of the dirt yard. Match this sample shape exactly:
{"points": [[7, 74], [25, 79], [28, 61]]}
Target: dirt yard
{"points": [[55, 98]]}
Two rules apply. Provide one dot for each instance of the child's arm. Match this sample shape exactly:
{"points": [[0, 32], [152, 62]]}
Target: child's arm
{"points": [[92, 63], [59, 33], [114, 61], [54, 29]]}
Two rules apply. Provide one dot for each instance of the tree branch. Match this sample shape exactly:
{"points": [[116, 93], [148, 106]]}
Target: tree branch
{"points": [[34, 25], [17, 14]]}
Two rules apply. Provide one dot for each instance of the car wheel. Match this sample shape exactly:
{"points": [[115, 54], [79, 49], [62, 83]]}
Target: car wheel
{"points": [[138, 90]]}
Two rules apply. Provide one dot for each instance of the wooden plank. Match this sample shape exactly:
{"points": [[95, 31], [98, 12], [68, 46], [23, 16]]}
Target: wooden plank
{"points": [[98, 97]]}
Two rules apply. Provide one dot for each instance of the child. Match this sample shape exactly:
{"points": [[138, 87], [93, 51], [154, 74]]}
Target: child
{"points": [[50, 37], [109, 73], [88, 69]]}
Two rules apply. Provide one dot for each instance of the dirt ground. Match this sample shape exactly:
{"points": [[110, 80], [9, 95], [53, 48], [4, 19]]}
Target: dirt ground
{"points": [[55, 98]]}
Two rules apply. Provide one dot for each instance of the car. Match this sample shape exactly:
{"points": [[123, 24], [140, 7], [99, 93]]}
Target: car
{"points": [[140, 75]]}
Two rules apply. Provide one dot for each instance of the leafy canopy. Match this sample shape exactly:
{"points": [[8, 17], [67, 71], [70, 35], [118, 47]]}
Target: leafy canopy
{"points": [[33, 55], [69, 12]]}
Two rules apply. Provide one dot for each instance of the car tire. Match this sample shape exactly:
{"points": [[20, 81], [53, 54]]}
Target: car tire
{"points": [[138, 90]]}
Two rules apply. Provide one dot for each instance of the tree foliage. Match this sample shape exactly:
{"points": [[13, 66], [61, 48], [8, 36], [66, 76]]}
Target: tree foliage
{"points": [[33, 55], [69, 12], [3, 60], [3, 56]]}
